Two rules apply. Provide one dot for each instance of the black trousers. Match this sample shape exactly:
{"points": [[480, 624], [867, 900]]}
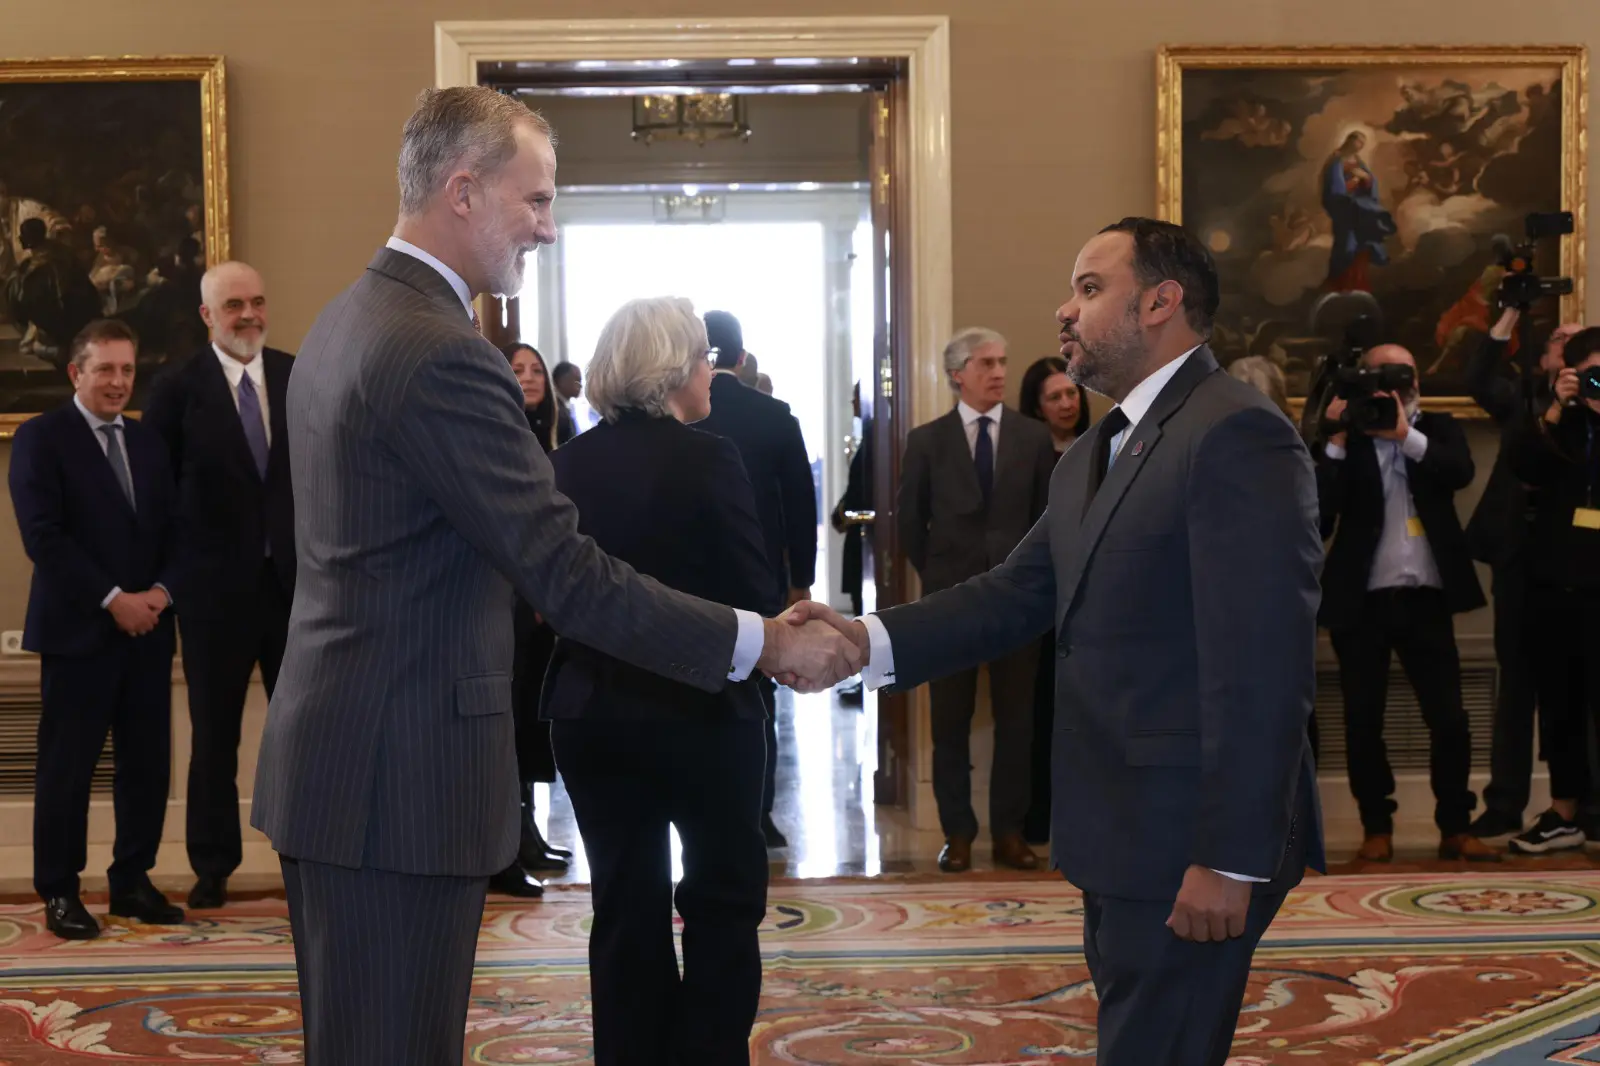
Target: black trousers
{"points": [[384, 962], [769, 783], [1511, 748], [535, 642], [1416, 625], [629, 781], [1164, 999], [1566, 626], [218, 657], [1013, 682], [125, 690]]}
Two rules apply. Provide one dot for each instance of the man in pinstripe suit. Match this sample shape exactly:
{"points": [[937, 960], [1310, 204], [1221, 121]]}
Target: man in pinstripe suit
{"points": [[387, 778]]}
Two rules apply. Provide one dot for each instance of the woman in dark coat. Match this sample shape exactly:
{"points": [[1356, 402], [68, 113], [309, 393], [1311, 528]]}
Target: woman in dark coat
{"points": [[534, 641], [1052, 397], [642, 755]]}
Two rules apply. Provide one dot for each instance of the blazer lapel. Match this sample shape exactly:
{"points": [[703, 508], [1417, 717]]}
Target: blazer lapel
{"points": [[220, 403], [955, 442], [278, 413], [1137, 446]]}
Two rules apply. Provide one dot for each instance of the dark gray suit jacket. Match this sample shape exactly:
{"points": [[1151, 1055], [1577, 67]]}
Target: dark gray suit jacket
{"points": [[944, 528], [1185, 600], [422, 499]]}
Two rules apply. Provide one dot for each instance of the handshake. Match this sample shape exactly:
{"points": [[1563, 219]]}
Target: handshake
{"points": [[812, 647]]}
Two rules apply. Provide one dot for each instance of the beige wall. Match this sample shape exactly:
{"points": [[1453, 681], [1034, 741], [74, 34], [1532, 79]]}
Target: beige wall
{"points": [[1052, 128]]}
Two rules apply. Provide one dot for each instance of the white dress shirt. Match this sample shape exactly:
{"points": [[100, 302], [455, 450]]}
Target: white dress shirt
{"points": [[95, 423], [1404, 560], [1135, 406], [752, 635], [969, 421], [234, 371]]}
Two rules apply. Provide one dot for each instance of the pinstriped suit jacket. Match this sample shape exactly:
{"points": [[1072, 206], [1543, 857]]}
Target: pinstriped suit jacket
{"points": [[421, 500]]}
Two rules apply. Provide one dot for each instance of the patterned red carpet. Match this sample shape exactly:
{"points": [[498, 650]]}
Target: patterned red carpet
{"points": [[1396, 968]]}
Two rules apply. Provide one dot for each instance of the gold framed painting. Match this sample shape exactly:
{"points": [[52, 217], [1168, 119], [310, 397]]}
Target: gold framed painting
{"points": [[1392, 185], [113, 198]]}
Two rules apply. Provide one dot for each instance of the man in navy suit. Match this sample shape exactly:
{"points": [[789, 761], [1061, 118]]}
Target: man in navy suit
{"points": [[93, 495], [775, 457], [223, 415]]}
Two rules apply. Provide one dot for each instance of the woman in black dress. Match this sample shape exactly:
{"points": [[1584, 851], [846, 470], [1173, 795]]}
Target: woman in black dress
{"points": [[1052, 397], [534, 641]]}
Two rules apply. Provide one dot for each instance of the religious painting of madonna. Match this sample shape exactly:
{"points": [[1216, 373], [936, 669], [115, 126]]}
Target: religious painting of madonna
{"points": [[1340, 184], [113, 199]]}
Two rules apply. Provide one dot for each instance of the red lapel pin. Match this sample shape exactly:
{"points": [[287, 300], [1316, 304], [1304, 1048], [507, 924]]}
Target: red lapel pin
{"points": [[1138, 447]]}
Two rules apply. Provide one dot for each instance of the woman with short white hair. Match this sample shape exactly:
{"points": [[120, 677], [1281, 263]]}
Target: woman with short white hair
{"points": [[641, 754]]}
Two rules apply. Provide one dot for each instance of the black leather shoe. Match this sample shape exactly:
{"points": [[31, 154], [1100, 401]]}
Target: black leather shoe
{"points": [[146, 904], [514, 881], [65, 917], [209, 893], [534, 852]]}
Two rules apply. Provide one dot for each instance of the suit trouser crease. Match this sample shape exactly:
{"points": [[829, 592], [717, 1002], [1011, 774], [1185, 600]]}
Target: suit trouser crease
{"points": [[1012, 682], [629, 782], [219, 655], [384, 962], [1415, 625], [125, 691], [1164, 999]]}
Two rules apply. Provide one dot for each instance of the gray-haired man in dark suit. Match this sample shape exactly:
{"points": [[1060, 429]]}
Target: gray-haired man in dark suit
{"points": [[1178, 562], [387, 779]]}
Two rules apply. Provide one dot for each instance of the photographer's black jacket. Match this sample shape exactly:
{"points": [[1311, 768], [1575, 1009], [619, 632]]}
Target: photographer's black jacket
{"points": [[1350, 491], [1560, 462], [1498, 529]]}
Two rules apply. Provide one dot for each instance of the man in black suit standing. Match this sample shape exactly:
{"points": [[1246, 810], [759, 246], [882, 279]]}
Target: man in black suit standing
{"points": [[1397, 572], [973, 483], [93, 498], [223, 416], [1178, 561], [775, 457]]}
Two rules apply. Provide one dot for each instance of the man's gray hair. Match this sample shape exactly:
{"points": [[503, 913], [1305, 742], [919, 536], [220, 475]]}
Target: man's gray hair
{"points": [[648, 349], [470, 127], [958, 353]]}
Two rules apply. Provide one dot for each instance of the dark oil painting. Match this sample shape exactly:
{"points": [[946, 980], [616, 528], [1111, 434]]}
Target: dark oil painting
{"points": [[102, 214], [1390, 192]]}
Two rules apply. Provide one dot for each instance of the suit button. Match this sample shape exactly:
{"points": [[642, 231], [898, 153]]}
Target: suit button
{"points": [[1063, 650]]}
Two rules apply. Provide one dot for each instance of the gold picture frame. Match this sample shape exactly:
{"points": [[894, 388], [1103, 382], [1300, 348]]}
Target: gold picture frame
{"points": [[160, 188], [1465, 138]]}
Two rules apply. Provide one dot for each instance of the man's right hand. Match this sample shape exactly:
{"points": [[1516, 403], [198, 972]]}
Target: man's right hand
{"points": [[1566, 392], [807, 656], [1336, 408], [134, 614], [1508, 322]]}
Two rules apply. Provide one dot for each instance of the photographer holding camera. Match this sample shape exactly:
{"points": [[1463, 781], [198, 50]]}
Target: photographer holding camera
{"points": [[1497, 534], [1397, 571], [1559, 457]]}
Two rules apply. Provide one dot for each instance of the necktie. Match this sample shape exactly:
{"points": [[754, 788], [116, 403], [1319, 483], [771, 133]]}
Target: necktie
{"points": [[983, 458], [1113, 423], [118, 460], [255, 431]]}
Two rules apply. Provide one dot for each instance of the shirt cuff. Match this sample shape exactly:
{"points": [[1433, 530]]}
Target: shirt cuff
{"points": [[747, 647], [880, 671], [1240, 877], [1333, 451], [113, 594], [1415, 446], [167, 591]]}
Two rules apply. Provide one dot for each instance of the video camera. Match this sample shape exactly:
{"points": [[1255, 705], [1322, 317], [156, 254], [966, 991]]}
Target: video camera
{"points": [[1589, 384], [1521, 286], [1360, 387]]}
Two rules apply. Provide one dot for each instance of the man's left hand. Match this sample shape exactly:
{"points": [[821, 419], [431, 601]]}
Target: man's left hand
{"points": [[1210, 907], [1402, 422]]}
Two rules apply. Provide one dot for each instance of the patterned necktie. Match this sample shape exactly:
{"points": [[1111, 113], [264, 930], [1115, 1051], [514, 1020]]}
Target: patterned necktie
{"points": [[118, 460], [255, 431], [983, 458], [1113, 423]]}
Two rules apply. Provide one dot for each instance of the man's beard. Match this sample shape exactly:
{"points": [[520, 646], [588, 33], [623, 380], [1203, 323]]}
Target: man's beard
{"points": [[1100, 367], [497, 252], [245, 346]]}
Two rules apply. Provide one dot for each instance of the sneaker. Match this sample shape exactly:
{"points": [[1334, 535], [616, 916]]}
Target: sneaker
{"points": [[1495, 824], [1550, 833]]}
